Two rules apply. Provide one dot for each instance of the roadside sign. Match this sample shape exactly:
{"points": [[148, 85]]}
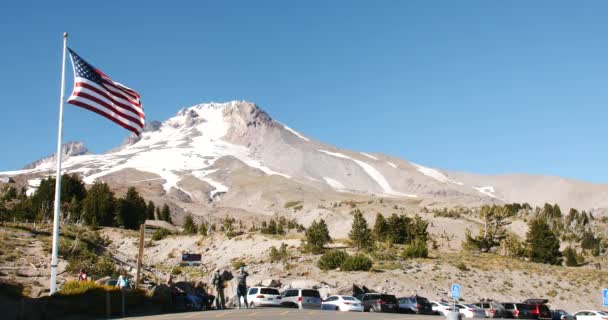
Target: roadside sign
{"points": [[191, 257], [605, 297], [455, 291]]}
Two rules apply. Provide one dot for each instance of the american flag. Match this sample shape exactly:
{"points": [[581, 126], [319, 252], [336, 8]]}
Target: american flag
{"points": [[95, 91]]}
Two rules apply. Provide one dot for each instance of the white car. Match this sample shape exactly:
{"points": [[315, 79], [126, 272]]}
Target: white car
{"points": [[441, 308], [591, 315], [470, 311], [263, 296], [342, 303]]}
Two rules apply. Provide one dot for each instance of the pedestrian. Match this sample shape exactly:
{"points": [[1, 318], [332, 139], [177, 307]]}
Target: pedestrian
{"points": [[82, 275], [123, 281], [218, 283], [241, 287]]}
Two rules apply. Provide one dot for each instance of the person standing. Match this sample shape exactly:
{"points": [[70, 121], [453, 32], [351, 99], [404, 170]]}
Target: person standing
{"points": [[82, 275], [241, 287], [218, 283]]}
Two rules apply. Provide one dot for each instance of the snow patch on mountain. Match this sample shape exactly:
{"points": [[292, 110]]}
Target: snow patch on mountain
{"points": [[369, 155], [297, 134], [435, 174], [488, 191], [372, 172], [218, 187], [334, 183], [392, 164]]}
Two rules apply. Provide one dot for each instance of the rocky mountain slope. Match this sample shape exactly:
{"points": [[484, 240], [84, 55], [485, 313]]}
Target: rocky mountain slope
{"points": [[233, 158]]}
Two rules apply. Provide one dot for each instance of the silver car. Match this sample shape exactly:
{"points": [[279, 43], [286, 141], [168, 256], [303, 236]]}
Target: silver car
{"points": [[302, 298], [492, 309]]}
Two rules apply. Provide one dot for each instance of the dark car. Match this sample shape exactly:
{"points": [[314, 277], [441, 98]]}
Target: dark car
{"points": [[377, 302], [518, 310], [562, 315], [539, 309], [415, 304]]}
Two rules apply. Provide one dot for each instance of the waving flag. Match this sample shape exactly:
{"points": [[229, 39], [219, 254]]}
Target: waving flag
{"points": [[95, 91]]}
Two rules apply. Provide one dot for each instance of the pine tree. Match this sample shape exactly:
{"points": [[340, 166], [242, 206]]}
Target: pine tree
{"points": [[494, 231], [543, 244], [317, 236], [150, 211], [166, 213], [131, 210], [380, 228], [570, 255], [98, 206], [360, 234], [189, 225]]}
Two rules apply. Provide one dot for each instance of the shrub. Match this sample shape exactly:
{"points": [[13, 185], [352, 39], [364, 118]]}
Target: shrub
{"points": [[332, 259], [358, 262], [237, 264], [462, 267], [277, 255], [570, 255], [160, 234], [89, 298], [417, 249]]}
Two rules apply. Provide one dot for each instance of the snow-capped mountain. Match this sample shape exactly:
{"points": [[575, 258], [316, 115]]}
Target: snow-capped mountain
{"points": [[68, 149], [233, 156]]}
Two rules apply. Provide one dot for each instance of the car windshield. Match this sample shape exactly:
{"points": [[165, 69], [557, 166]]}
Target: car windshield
{"points": [[443, 304], [269, 291], [348, 298], [602, 313], [311, 293], [388, 298], [521, 306]]}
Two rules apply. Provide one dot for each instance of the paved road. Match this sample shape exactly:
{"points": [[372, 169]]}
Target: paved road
{"points": [[291, 314]]}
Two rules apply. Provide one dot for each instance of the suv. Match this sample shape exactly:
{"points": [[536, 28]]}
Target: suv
{"points": [[415, 304], [492, 309], [539, 309], [518, 310], [376, 302], [302, 298], [263, 296]]}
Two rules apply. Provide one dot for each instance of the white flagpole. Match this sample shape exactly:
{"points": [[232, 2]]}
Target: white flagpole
{"points": [[57, 212]]}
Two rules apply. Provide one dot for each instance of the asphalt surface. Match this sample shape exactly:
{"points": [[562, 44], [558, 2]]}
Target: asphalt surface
{"points": [[281, 313]]}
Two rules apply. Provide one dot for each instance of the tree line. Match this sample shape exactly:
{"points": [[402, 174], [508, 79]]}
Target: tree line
{"points": [[96, 206], [547, 228]]}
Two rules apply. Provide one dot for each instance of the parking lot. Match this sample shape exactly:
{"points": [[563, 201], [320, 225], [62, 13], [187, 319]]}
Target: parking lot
{"points": [[280, 313]]}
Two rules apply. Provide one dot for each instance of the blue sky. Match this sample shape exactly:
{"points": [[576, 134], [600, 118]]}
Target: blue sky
{"points": [[489, 87]]}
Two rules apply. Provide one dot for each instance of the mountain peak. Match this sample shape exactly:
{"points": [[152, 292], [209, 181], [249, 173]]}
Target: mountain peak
{"points": [[68, 149]]}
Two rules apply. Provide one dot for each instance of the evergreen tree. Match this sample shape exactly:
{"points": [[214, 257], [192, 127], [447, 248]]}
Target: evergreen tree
{"points": [[98, 206], [189, 225], [317, 236], [150, 211], [570, 255], [165, 213], [380, 228], [203, 229], [399, 229], [360, 234], [543, 244], [419, 230], [158, 215], [131, 210], [494, 231]]}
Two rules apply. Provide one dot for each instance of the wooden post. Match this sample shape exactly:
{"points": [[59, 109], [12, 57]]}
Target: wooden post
{"points": [[140, 255]]}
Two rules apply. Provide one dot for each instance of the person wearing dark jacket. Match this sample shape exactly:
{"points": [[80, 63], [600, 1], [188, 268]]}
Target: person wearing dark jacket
{"points": [[218, 283], [241, 287]]}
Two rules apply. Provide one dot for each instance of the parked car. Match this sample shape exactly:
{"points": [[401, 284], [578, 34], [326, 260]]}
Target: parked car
{"points": [[263, 297], [301, 298], [591, 315], [561, 315], [518, 310], [376, 302], [415, 304], [492, 309], [441, 308], [539, 309], [470, 311], [342, 303]]}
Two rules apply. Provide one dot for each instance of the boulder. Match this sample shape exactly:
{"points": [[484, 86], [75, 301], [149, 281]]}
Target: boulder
{"points": [[273, 283]]}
